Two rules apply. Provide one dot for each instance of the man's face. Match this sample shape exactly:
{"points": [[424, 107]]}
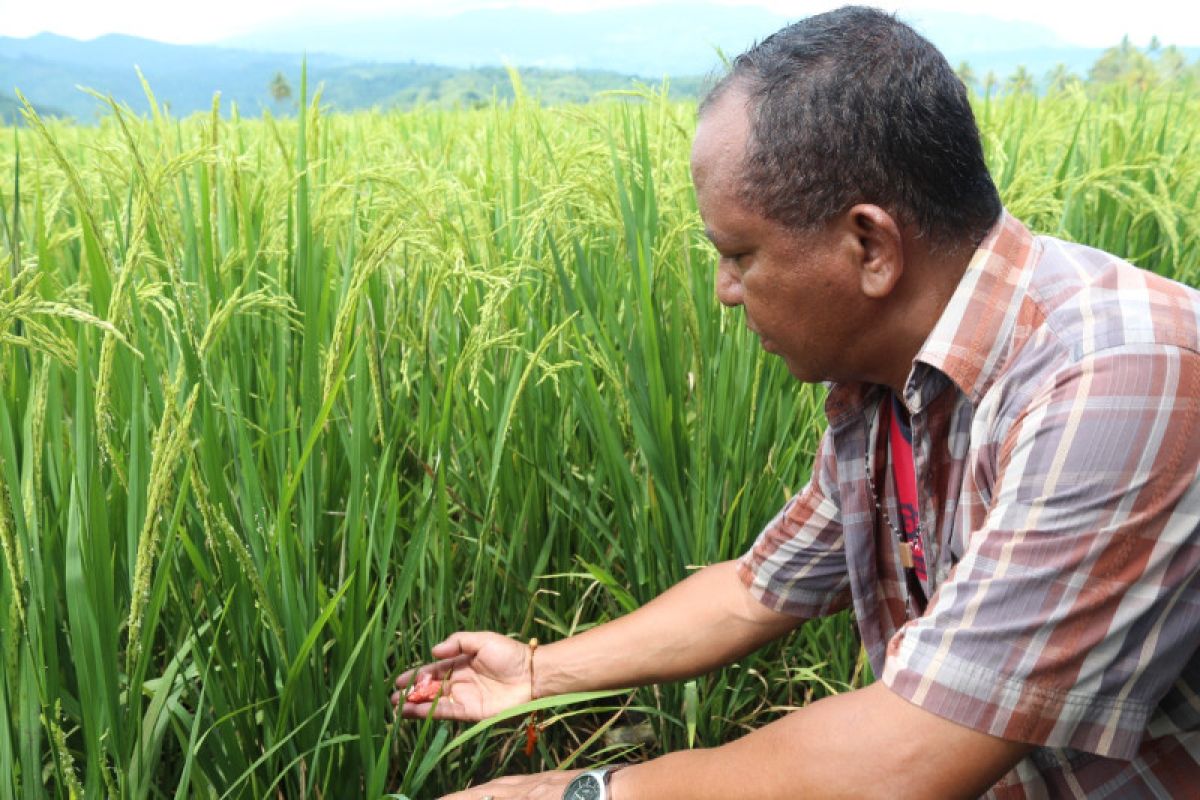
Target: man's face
{"points": [[800, 292]]}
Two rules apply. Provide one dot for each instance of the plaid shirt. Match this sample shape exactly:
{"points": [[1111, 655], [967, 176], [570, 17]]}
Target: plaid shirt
{"points": [[1056, 433]]}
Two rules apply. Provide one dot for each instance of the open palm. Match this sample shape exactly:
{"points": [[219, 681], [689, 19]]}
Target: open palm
{"points": [[482, 674]]}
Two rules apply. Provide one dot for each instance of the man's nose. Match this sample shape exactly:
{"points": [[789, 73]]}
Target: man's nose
{"points": [[729, 285]]}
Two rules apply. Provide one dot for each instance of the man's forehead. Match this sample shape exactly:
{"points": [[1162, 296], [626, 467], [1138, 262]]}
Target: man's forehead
{"points": [[721, 133]]}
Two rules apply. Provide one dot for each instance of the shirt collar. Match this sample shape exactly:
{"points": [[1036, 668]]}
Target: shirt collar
{"points": [[981, 325], [976, 331]]}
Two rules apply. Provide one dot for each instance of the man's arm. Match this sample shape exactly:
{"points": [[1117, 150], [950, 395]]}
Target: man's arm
{"points": [[862, 744], [702, 623], [869, 743]]}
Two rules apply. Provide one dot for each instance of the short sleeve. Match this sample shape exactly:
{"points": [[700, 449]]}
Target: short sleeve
{"points": [[797, 565], [1074, 608]]}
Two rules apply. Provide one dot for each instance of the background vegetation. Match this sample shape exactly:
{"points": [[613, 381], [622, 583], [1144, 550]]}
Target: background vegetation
{"points": [[282, 403]]}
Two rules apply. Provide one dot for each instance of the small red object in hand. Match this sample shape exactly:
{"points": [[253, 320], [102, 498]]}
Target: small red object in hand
{"points": [[425, 689]]}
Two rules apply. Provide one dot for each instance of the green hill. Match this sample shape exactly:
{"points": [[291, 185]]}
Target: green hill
{"points": [[49, 70], [10, 111]]}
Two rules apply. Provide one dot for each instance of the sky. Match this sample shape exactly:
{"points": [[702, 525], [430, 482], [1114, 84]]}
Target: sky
{"points": [[1076, 22]]}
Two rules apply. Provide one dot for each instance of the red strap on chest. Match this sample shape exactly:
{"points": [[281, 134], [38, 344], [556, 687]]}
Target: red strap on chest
{"points": [[905, 478]]}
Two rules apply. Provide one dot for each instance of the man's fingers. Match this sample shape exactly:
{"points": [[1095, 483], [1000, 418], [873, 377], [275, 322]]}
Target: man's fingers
{"points": [[406, 679], [446, 709], [461, 643], [438, 670]]}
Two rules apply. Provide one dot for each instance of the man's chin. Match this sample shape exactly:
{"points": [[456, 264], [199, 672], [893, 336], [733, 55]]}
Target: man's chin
{"points": [[800, 372]]}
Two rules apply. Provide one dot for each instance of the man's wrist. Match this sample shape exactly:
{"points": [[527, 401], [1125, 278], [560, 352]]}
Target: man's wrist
{"points": [[615, 781], [547, 677], [681, 773], [539, 667]]}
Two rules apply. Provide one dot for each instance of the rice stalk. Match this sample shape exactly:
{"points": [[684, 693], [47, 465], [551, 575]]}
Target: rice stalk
{"points": [[369, 262], [14, 560], [62, 754], [238, 303], [372, 357], [39, 393], [91, 224], [108, 348], [170, 442], [216, 521]]}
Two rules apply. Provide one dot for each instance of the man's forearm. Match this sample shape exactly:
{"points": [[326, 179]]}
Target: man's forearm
{"points": [[700, 624], [861, 744]]}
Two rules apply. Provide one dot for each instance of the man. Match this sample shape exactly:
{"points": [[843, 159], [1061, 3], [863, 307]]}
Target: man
{"points": [[1006, 493]]}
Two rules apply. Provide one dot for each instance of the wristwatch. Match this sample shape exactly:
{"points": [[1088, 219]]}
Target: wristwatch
{"points": [[591, 785]]}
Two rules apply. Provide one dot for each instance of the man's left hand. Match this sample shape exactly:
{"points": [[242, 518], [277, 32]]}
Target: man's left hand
{"points": [[539, 786]]}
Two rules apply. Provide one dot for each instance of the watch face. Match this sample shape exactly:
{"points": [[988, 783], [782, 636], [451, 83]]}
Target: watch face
{"points": [[584, 787]]}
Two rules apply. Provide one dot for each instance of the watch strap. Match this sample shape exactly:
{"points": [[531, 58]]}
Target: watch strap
{"points": [[602, 775]]}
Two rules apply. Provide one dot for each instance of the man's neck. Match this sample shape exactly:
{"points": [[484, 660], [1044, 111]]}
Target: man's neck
{"points": [[931, 275]]}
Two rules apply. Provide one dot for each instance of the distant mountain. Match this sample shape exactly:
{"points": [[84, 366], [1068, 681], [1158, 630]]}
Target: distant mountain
{"points": [[455, 59], [10, 111], [666, 39], [49, 70], [651, 41], [670, 38]]}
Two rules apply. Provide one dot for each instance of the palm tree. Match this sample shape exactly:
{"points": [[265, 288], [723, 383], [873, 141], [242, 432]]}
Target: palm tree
{"points": [[280, 88], [990, 81], [966, 75], [1171, 63], [1124, 64], [1061, 78], [1021, 81]]}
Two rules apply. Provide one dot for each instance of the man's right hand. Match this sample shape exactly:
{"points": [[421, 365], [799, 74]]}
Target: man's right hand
{"points": [[482, 674], [708, 620]]}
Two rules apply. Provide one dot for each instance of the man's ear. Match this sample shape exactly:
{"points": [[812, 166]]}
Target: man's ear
{"points": [[880, 251]]}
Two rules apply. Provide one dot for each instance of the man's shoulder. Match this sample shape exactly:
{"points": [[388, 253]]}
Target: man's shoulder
{"points": [[1078, 306], [1090, 301]]}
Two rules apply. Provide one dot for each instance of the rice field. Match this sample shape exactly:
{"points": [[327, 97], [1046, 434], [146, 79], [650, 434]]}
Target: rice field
{"points": [[283, 402]]}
